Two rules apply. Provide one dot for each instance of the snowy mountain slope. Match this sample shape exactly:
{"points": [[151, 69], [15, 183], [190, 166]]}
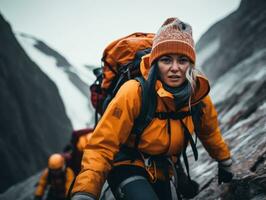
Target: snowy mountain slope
{"points": [[71, 82]]}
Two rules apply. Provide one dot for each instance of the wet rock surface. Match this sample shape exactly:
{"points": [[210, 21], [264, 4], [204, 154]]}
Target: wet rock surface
{"points": [[239, 92]]}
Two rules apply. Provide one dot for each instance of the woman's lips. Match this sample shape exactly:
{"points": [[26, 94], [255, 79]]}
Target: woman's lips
{"points": [[174, 77]]}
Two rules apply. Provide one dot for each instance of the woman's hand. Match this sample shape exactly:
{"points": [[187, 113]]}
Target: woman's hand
{"points": [[225, 173]]}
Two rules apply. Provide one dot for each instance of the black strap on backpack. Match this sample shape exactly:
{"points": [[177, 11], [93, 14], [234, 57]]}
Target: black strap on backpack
{"points": [[146, 111], [188, 138], [148, 104], [196, 113]]}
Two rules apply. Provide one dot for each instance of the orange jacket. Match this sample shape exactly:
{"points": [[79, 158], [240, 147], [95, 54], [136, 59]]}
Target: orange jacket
{"points": [[83, 141], [115, 126], [43, 181]]}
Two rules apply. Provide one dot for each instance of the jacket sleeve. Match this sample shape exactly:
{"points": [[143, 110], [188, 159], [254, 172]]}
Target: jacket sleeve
{"points": [[112, 130], [210, 134], [40, 189]]}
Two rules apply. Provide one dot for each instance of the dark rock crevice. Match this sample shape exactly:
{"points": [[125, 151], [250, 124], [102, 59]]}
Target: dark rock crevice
{"points": [[260, 163]]}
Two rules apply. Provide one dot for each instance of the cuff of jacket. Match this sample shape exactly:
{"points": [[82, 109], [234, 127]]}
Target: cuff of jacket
{"points": [[83, 196], [226, 163]]}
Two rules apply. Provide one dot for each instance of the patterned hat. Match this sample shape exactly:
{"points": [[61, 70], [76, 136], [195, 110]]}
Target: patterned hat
{"points": [[174, 37]]}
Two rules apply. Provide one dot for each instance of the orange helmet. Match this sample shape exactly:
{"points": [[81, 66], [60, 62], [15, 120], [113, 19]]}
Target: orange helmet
{"points": [[56, 161]]}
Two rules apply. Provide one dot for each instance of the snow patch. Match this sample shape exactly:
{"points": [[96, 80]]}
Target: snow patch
{"points": [[76, 104]]}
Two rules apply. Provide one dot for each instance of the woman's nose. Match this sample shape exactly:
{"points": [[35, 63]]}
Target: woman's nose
{"points": [[175, 66]]}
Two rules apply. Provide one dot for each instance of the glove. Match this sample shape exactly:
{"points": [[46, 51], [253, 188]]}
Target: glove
{"points": [[225, 173], [82, 196]]}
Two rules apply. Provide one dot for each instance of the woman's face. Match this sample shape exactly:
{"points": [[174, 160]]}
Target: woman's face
{"points": [[172, 69]]}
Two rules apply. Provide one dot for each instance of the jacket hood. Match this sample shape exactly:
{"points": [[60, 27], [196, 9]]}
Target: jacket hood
{"points": [[202, 90]]}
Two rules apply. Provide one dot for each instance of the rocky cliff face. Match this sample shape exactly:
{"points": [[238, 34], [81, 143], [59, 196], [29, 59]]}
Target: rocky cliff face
{"points": [[232, 53], [232, 39], [33, 122]]}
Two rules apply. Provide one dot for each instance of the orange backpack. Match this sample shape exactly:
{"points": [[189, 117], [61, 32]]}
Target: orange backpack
{"points": [[121, 60], [118, 56]]}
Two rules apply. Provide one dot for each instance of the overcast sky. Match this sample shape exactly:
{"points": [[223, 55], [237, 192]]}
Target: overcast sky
{"points": [[80, 29]]}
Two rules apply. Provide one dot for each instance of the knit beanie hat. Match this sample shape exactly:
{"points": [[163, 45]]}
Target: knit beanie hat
{"points": [[174, 37]]}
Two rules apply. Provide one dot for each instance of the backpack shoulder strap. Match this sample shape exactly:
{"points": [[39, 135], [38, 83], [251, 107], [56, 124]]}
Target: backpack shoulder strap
{"points": [[196, 113], [147, 110]]}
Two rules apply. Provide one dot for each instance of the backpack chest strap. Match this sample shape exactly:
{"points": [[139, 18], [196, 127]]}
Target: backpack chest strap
{"points": [[188, 138], [172, 115]]}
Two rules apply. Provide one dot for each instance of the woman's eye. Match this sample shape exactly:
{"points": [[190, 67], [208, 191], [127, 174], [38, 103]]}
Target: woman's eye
{"points": [[165, 60], [183, 60]]}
